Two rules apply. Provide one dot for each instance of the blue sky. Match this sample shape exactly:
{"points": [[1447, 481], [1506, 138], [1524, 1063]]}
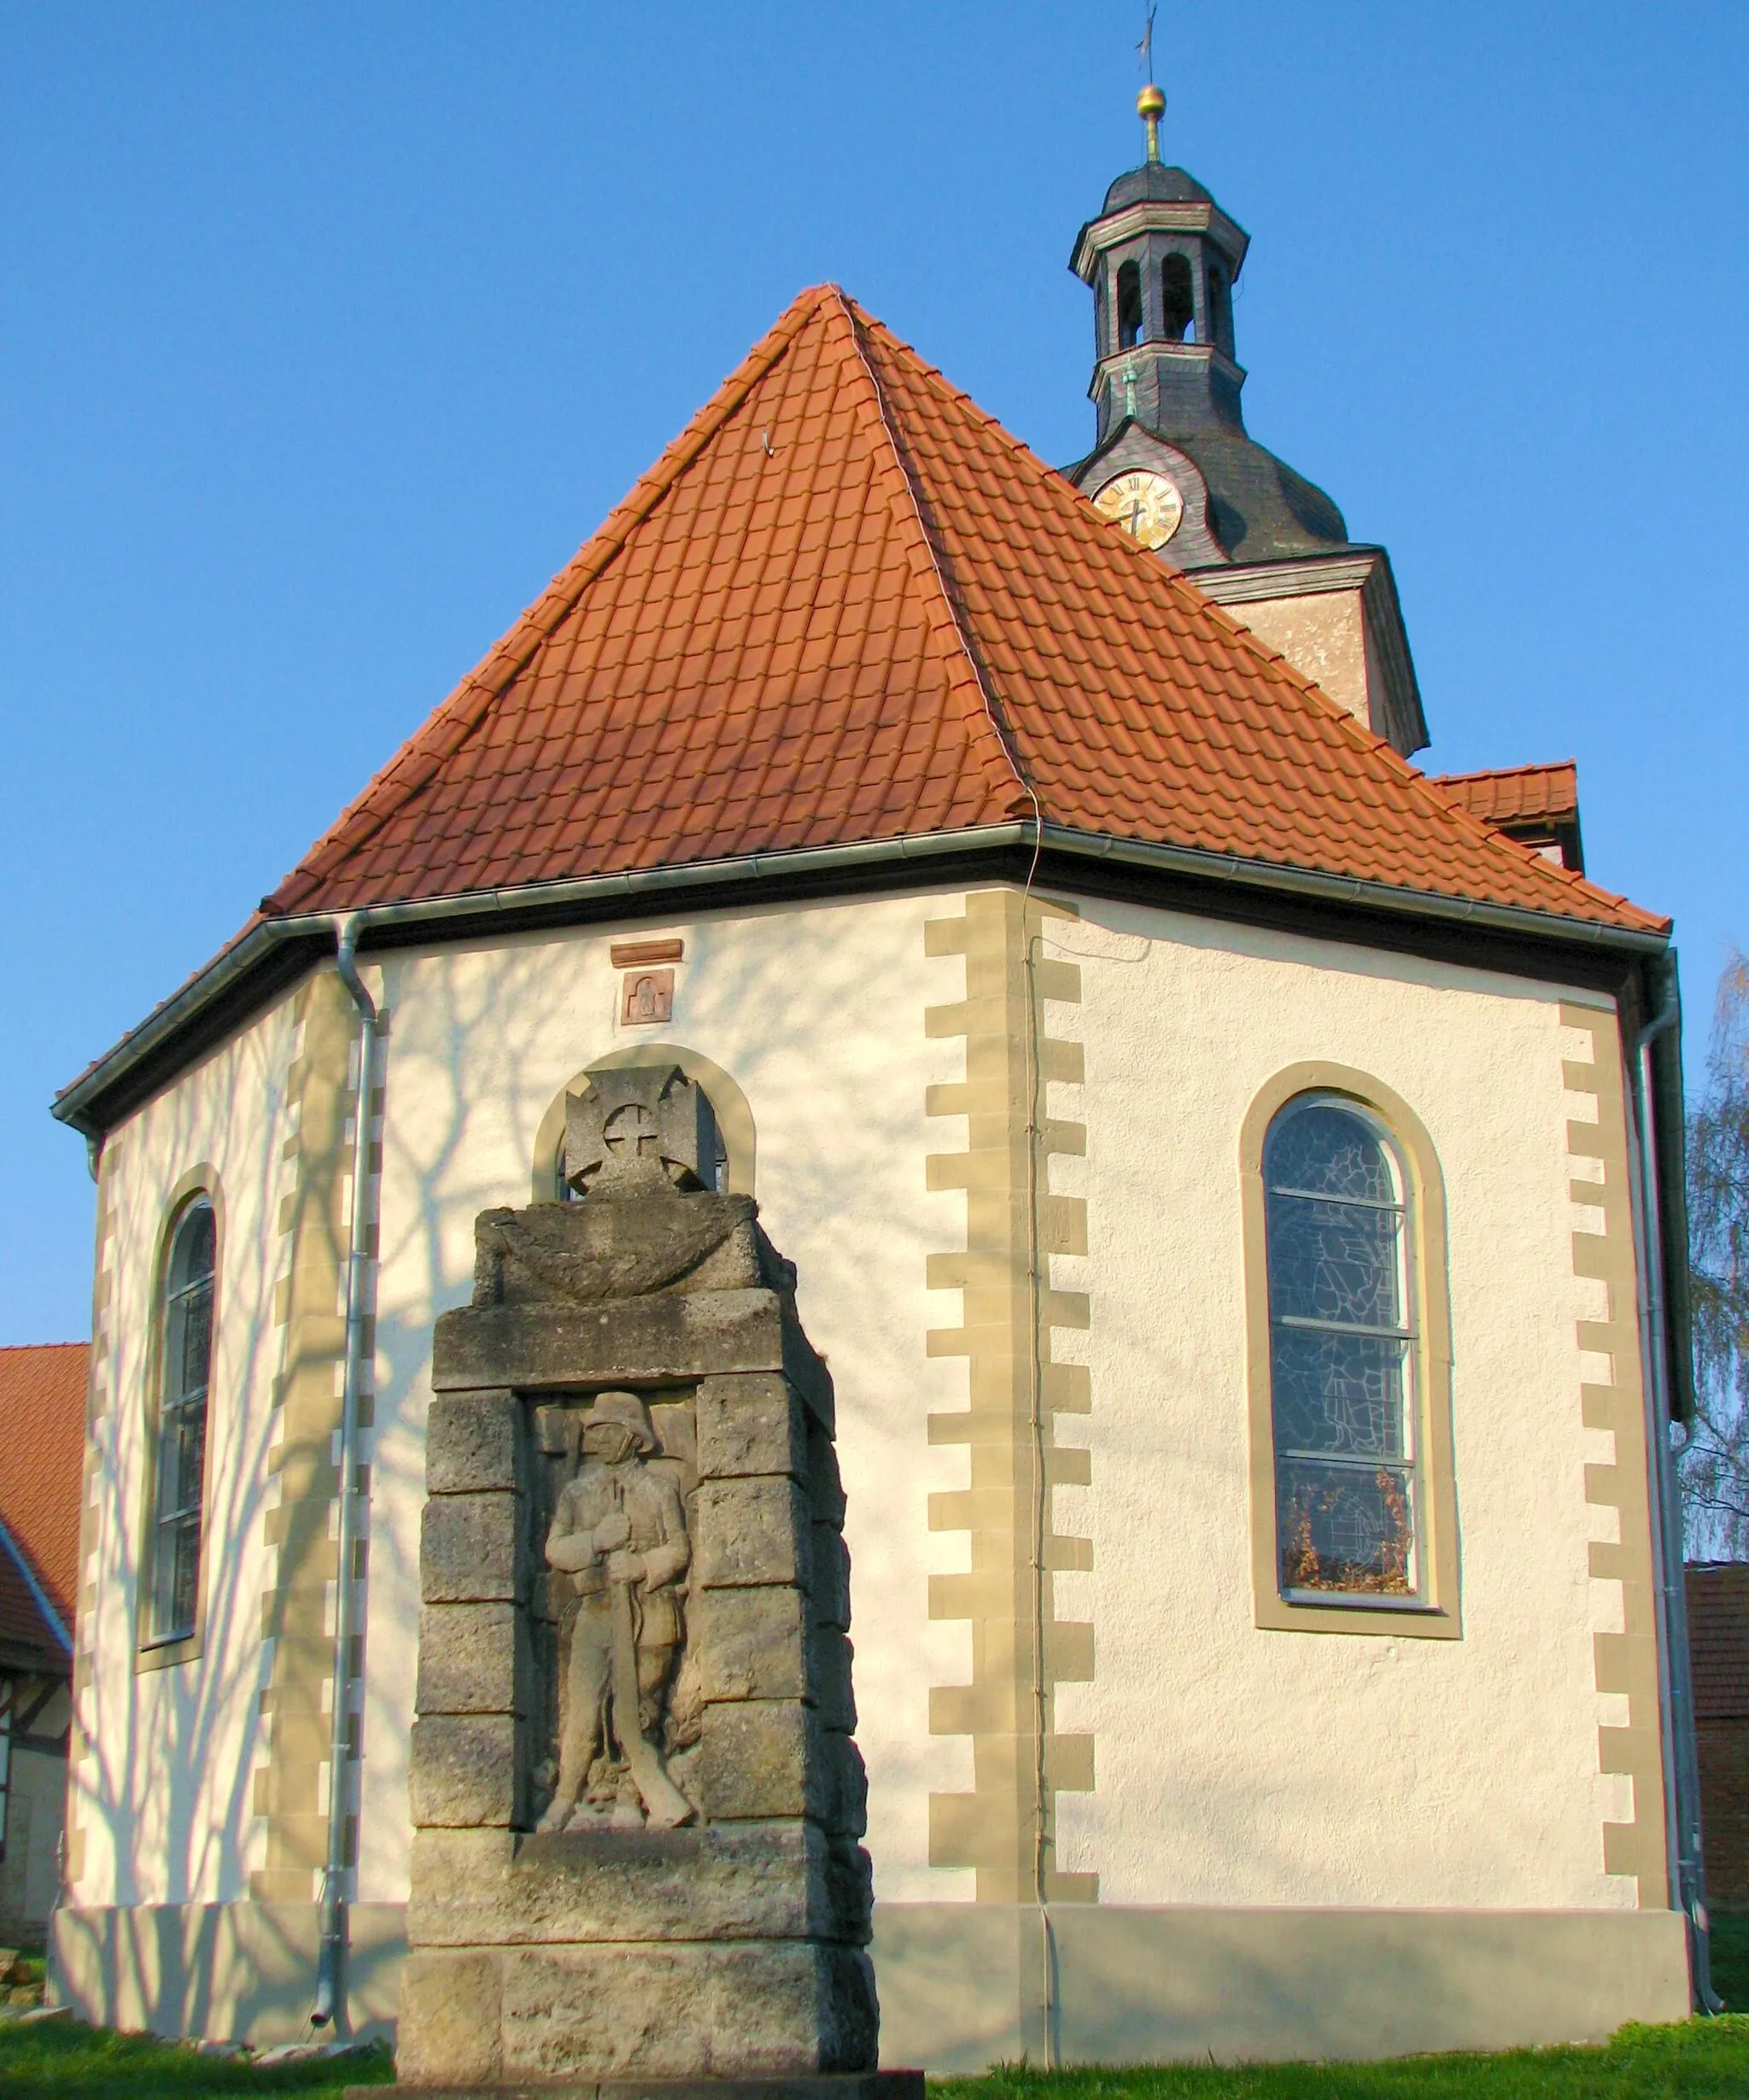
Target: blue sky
{"points": [[328, 332]]}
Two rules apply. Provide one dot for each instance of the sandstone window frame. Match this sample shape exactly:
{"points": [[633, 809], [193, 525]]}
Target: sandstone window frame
{"points": [[734, 1118], [1436, 1613], [153, 1651]]}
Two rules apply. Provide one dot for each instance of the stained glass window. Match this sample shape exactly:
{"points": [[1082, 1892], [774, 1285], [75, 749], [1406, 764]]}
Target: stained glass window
{"points": [[187, 1343], [1341, 1354]]}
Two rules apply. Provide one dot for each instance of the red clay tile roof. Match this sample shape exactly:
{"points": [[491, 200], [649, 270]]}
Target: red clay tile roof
{"points": [[42, 1464], [1516, 794], [1718, 1640], [30, 1641], [845, 606]]}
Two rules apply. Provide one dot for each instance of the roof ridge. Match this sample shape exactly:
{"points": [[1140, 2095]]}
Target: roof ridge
{"points": [[35, 1349], [961, 646], [1367, 739], [468, 703]]}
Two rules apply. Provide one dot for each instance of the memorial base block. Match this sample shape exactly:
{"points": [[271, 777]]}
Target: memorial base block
{"points": [[829, 2086]]}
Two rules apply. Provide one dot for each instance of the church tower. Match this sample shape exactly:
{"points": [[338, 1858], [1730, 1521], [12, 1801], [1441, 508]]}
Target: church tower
{"points": [[1173, 463]]}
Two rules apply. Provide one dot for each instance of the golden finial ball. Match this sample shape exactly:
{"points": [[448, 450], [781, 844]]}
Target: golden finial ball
{"points": [[1151, 103]]}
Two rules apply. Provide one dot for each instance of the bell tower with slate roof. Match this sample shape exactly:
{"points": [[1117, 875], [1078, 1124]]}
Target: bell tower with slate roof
{"points": [[1173, 461]]}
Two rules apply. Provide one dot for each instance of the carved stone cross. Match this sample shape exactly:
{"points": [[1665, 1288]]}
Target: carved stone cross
{"points": [[642, 1130], [630, 1130]]}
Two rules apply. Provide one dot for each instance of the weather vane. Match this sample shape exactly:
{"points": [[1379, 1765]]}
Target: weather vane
{"points": [[1150, 103]]}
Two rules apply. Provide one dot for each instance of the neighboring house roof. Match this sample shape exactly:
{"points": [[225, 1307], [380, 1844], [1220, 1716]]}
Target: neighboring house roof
{"points": [[42, 1468], [1718, 1639], [34, 1640], [846, 605]]}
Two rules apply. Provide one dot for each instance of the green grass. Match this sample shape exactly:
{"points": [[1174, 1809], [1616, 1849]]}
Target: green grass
{"points": [[55, 2057], [1699, 2060]]}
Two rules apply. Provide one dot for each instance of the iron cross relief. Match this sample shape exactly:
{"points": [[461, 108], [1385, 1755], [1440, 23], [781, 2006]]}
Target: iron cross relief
{"points": [[630, 1132]]}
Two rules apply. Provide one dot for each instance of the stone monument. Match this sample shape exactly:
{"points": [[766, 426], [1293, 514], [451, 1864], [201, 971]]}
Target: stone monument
{"points": [[635, 1799]]}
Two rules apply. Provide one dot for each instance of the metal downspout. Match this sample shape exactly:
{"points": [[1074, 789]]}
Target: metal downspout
{"points": [[1682, 1763], [331, 1957]]}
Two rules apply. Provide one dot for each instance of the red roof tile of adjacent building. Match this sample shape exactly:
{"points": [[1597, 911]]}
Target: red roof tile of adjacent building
{"points": [[846, 605], [1516, 794], [42, 1466], [30, 1643], [1718, 1640]]}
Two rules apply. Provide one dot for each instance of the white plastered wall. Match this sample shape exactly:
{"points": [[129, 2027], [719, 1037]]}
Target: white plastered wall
{"points": [[163, 1791], [818, 1014], [1233, 1765], [1242, 1766]]}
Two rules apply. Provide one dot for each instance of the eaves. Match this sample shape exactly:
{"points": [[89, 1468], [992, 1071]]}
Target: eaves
{"points": [[275, 953]]}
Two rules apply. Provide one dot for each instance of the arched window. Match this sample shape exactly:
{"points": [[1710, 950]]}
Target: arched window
{"points": [[1220, 309], [1341, 1354], [174, 1550], [1129, 304], [1353, 1491], [1177, 299]]}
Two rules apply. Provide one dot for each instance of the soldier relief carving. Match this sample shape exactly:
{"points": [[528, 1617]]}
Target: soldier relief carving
{"points": [[618, 1551]]}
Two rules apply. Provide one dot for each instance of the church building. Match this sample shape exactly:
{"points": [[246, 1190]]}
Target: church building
{"points": [[1233, 1179]]}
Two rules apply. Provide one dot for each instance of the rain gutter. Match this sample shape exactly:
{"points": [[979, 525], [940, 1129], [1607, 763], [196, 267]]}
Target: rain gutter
{"points": [[1664, 1396], [331, 1955], [270, 948]]}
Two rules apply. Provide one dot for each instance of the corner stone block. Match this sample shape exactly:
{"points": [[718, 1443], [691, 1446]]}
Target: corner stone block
{"points": [[752, 1531], [825, 1483], [768, 2009], [464, 1771], [830, 1560], [473, 1658], [727, 1881], [829, 1679], [751, 1643], [850, 1882], [451, 2018], [471, 1443], [763, 1758], [848, 1815], [468, 1548], [459, 1875], [750, 1424]]}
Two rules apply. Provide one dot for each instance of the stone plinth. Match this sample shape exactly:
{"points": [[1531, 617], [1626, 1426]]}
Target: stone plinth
{"points": [[635, 1796], [829, 2086]]}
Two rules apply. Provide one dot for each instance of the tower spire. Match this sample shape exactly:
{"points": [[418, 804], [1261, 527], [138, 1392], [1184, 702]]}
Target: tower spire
{"points": [[1150, 105]]}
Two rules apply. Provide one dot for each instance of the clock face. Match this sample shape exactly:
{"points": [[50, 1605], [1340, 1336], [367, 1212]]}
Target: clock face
{"points": [[1147, 506]]}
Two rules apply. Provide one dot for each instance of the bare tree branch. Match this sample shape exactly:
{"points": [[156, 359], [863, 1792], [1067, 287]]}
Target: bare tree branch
{"points": [[1714, 1466]]}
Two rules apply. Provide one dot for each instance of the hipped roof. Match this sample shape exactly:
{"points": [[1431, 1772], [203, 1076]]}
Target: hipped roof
{"points": [[846, 605]]}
